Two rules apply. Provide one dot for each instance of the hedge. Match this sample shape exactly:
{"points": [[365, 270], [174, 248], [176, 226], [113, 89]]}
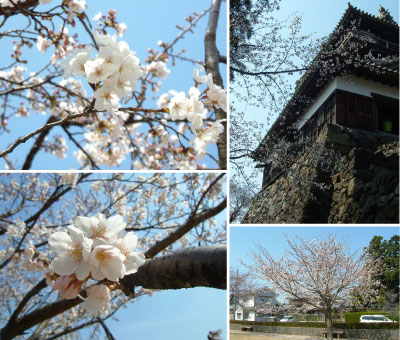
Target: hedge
{"points": [[355, 316], [337, 325]]}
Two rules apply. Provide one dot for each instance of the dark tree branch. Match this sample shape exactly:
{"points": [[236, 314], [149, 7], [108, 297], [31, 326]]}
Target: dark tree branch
{"points": [[188, 268], [212, 58], [21, 140], [183, 229], [37, 145], [264, 73], [106, 329]]}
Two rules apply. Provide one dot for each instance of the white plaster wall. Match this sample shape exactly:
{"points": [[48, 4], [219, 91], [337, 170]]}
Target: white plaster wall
{"points": [[360, 86], [239, 310], [252, 316]]}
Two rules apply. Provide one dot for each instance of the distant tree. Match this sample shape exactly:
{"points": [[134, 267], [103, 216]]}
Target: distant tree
{"points": [[240, 286], [239, 202], [387, 252], [318, 272]]}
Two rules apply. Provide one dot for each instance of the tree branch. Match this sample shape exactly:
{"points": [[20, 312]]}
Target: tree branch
{"points": [[37, 145], [264, 73], [212, 58], [46, 127], [188, 268], [191, 222]]}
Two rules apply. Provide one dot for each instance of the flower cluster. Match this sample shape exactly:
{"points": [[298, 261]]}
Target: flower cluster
{"points": [[114, 72], [93, 248], [193, 109]]}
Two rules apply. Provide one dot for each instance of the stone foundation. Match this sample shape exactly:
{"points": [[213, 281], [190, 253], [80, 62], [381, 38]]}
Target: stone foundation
{"points": [[365, 189]]}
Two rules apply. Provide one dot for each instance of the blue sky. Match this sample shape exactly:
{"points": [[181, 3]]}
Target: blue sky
{"points": [[243, 239], [172, 315], [148, 22]]}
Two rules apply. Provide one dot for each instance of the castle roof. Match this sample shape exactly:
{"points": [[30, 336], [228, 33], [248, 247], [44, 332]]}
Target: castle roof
{"points": [[381, 34]]}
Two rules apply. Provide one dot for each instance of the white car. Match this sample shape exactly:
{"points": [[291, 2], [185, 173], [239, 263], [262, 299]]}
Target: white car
{"points": [[288, 318], [374, 318]]}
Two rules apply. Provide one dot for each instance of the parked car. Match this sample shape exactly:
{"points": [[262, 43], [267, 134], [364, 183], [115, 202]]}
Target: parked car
{"points": [[374, 318], [287, 318]]}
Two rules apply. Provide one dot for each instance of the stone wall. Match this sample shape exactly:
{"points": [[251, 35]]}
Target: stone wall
{"points": [[370, 334], [364, 188]]}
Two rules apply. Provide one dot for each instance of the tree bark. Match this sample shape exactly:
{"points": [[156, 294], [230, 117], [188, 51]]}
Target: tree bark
{"points": [[212, 59], [193, 267], [186, 268], [329, 324]]}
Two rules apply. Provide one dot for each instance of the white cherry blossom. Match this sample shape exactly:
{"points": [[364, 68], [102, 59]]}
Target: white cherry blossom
{"points": [[98, 70], [107, 261], [159, 69], [133, 259], [42, 44], [98, 300], [216, 93], [100, 229], [197, 78], [106, 99], [178, 106], [73, 251], [206, 137]]}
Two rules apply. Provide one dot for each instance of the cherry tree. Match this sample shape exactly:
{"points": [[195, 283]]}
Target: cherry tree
{"points": [[317, 272], [76, 247], [99, 100]]}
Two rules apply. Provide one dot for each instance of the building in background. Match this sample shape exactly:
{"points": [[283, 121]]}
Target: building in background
{"points": [[332, 155]]}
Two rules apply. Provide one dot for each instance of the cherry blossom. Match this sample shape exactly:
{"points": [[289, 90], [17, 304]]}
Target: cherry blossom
{"points": [[107, 261], [73, 252], [68, 285], [216, 93], [133, 259], [98, 300], [100, 229], [159, 69], [208, 136]]}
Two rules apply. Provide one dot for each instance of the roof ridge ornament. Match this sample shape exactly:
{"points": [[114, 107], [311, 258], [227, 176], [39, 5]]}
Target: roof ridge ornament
{"points": [[385, 15]]}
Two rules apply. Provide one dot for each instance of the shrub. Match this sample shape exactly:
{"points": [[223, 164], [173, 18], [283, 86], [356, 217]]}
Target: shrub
{"points": [[339, 325]]}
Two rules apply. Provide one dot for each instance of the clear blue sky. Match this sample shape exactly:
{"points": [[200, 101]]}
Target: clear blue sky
{"points": [[148, 22], [243, 239], [173, 315]]}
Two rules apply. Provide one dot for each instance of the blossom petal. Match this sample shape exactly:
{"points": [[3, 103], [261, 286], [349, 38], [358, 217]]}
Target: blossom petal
{"points": [[96, 273], [130, 241], [83, 270], [60, 242], [76, 234], [86, 248], [84, 224], [64, 265], [115, 224], [114, 270]]}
